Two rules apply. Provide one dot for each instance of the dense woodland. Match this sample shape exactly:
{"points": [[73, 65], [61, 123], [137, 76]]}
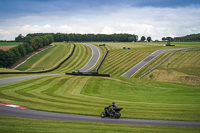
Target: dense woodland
{"points": [[60, 37], [72, 37], [188, 38], [30, 44]]}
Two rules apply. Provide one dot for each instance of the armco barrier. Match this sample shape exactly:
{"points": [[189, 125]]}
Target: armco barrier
{"points": [[43, 71], [187, 49], [102, 61], [88, 74]]}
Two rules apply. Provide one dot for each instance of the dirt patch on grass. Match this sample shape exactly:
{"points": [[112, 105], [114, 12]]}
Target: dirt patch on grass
{"points": [[5, 48], [173, 76], [193, 79]]}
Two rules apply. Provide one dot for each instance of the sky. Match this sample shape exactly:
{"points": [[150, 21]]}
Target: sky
{"points": [[154, 18]]}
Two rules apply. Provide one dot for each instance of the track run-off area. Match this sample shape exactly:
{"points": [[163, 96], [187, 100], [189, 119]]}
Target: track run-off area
{"points": [[79, 85]]}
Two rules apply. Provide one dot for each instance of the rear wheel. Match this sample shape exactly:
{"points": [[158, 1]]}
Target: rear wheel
{"points": [[103, 115], [117, 115]]}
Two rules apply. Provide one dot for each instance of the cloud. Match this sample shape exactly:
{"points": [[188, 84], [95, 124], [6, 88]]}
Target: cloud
{"points": [[147, 21]]}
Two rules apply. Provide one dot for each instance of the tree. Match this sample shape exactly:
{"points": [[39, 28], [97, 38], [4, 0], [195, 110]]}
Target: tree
{"points": [[45, 40], [169, 39], [143, 38], [59, 37], [10, 57], [39, 41], [163, 38], [2, 58], [28, 39], [22, 49], [28, 47], [33, 43], [131, 39], [19, 38], [16, 52], [149, 39], [50, 38]]}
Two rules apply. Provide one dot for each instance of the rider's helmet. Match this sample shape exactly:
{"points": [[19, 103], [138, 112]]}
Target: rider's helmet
{"points": [[113, 102]]}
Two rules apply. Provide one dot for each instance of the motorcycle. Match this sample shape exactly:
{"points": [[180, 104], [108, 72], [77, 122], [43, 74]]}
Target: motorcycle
{"points": [[111, 112]]}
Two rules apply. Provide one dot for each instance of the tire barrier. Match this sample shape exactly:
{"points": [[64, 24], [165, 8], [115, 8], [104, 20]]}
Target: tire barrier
{"points": [[50, 70], [87, 74], [187, 49], [102, 61]]}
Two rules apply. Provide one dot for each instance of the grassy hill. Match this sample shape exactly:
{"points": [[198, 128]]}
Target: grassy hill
{"points": [[139, 98], [183, 67], [47, 59], [120, 60], [79, 59], [89, 96]]}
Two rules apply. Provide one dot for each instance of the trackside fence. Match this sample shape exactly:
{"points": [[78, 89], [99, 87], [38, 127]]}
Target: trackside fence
{"points": [[102, 61]]}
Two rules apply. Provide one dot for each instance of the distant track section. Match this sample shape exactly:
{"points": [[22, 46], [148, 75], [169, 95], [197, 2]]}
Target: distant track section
{"points": [[141, 64], [14, 79], [94, 59]]}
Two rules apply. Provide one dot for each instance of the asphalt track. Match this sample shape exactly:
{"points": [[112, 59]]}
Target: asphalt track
{"points": [[26, 113], [141, 64], [14, 79], [94, 59]]}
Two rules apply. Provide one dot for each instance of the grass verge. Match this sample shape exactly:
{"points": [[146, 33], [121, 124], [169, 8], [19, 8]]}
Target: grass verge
{"points": [[19, 125], [47, 59]]}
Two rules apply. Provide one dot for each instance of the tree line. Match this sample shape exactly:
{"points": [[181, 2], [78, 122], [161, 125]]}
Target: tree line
{"points": [[30, 44], [60, 37], [143, 38], [187, 38]]}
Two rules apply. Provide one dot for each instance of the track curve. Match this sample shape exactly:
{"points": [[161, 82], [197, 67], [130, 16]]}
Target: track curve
{"points": [[14, 79], [94, 59]]}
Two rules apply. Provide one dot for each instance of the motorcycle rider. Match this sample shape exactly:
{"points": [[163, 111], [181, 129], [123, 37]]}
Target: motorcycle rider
{"points": [[114, 106]]}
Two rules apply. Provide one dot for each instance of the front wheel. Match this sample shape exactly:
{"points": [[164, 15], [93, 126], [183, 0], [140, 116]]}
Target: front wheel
{"points": [[103, 115]]}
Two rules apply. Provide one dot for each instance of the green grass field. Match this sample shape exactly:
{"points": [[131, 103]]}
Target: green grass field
{"points": [[10, 43], [89, 96], [183, 67], [79, 59], [47, 59], [119, 60], [139, 98], [52, 57], [18, 125]]}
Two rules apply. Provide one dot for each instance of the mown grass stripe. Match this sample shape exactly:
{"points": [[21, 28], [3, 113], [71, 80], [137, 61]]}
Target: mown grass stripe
{"points": [[78, 60]]}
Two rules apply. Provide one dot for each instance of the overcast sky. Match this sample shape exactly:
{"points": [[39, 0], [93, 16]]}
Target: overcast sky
{"points": [[155, 18]]}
